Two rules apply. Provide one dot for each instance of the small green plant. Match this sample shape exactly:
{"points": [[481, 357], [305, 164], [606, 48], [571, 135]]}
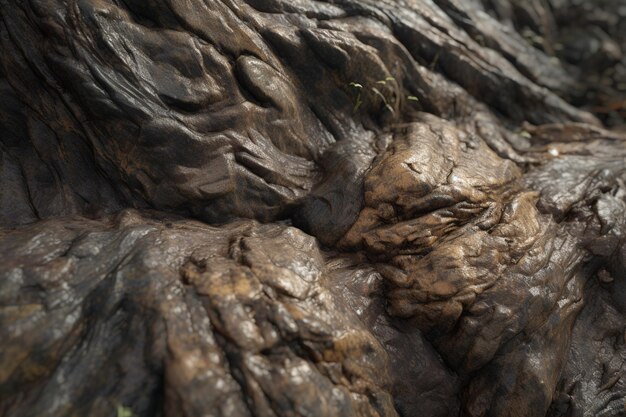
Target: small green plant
{"points": [[391, 103], [383, 98], [383, 82], [358, 101], [124, 411]]}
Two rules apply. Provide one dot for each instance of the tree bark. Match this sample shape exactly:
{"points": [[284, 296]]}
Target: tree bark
{"points": [[312, 208]]}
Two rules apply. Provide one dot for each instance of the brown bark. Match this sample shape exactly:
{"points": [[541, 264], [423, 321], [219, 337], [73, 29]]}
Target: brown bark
{"points": [[312, 208]]}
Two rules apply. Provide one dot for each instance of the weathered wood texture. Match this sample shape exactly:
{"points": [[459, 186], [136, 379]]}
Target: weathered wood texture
{"points": [[303, 208]]}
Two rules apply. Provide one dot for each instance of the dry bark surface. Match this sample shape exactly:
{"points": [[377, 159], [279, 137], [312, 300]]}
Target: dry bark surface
{"points": [[312, 208]]}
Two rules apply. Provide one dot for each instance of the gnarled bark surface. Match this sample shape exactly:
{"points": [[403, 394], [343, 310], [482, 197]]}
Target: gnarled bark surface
{"points": [[312, 208]]}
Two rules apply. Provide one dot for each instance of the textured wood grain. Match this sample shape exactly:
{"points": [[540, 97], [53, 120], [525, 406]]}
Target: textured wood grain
{"points": [[312, 208]]}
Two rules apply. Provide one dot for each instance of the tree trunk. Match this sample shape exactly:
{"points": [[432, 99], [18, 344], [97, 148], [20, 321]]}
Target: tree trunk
{"points": [[312, 208]]}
